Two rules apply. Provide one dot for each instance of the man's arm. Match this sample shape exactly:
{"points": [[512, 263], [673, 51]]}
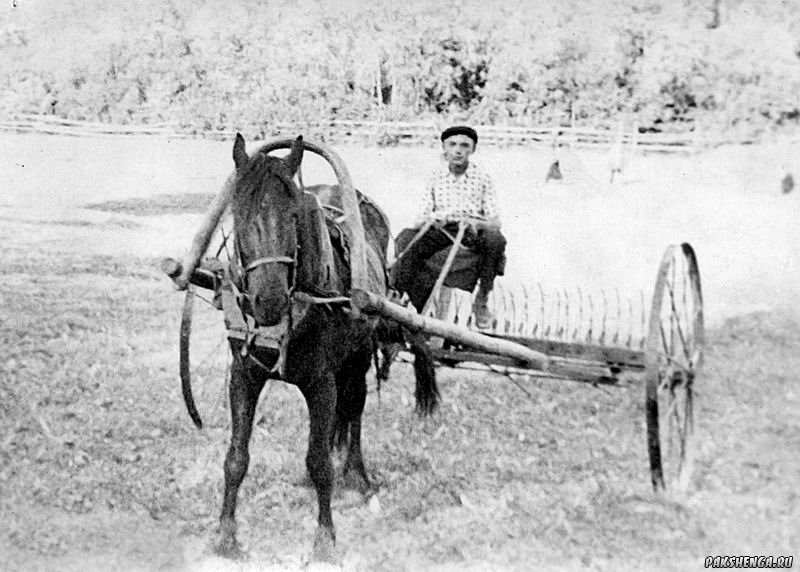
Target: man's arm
{"points": [[489, 207], [427, 205]]}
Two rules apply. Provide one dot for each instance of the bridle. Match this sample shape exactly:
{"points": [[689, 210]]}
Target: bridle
{"points": [[275, 336], [290, 261]]}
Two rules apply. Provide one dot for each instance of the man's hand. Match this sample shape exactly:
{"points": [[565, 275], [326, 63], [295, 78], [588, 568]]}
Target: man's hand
{"points": [[480, 223]]}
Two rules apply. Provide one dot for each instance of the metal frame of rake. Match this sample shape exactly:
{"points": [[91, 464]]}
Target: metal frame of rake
{"points": [[604, 339]]}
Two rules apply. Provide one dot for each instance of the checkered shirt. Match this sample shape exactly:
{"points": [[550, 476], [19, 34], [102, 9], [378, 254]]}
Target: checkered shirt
{"points": [[450, 199]]}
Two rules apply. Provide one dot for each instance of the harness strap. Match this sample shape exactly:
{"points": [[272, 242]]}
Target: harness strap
{"points": [[269, 260]]}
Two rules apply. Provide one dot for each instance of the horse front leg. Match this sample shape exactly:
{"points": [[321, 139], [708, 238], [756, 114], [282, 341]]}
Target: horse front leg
{"points": [[243, 393], [320, 395]]}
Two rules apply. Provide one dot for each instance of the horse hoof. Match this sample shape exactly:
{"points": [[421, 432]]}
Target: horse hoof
{"points": [[324, 546], [228, 547], [305, 482], [355, 481]]}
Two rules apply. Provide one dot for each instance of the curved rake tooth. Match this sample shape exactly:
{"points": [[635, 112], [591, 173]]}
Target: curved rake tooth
{"points": [[512, 323], [497, 302], [502, 321], [642, 341], [602, 339], [465, 307], [559, 324], [579, 323], [630, 324], [590, 333], [495, 310], [615, 339], [452, 304], [468, 301], [545, 327], [523, 326], [566, 314]]}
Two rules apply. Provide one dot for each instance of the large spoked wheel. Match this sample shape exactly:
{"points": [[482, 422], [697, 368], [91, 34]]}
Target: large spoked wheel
{"points": [[673, 357], [204, 359]]}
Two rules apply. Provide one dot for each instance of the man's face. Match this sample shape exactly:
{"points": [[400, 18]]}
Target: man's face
{"points": [[457, 150]]}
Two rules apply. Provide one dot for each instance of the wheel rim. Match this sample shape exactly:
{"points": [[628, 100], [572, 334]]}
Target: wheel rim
{"points": [[674, 354]]}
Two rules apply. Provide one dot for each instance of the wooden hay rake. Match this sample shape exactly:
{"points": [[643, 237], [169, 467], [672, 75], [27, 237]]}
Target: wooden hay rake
{"points": [[573, 342]]}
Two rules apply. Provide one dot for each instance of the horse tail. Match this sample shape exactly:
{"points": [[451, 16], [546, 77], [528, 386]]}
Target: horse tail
{"points": [[426, 391], [390, 338]]}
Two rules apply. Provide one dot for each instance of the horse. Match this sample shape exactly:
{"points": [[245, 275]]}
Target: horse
{"points": [[291, 273]]}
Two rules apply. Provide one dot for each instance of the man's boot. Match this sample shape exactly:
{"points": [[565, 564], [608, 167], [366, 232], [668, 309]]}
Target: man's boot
{"points": [[483, 317]]}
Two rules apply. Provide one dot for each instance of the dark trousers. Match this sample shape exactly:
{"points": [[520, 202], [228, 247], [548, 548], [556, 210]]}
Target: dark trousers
{"points": [[489, 243]]}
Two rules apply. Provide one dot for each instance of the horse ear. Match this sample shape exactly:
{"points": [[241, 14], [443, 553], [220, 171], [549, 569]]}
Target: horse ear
{"points": [[295, 156], [240, 157]]}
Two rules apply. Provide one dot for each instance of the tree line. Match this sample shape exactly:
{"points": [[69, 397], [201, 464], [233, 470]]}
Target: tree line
{"points": [[656, 65]]}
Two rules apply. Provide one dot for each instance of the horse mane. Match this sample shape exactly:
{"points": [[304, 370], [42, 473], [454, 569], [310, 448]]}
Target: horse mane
{"points": [[250, 192], [323, 265]]}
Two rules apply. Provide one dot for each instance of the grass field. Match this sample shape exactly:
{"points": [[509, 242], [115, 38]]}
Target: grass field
{"points": [[101, 469]]}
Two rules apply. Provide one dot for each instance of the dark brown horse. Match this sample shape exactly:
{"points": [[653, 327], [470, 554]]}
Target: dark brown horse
{"points": [[285, 246]]}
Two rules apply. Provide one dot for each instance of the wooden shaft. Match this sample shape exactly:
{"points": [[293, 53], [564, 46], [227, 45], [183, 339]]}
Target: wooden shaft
{"points": [[199, 277], [462, 227], [203, 236], [371, 303]]}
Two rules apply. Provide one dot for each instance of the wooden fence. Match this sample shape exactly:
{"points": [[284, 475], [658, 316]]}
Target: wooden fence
{"points": [[380, 133]]}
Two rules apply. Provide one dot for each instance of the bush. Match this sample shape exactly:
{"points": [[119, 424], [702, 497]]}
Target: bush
{"points": [[209, 65]]}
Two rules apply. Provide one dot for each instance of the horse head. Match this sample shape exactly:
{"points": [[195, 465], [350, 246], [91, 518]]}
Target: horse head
{"points": [[266, 207]]}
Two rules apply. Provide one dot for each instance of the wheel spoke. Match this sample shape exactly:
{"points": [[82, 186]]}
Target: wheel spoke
{"points": [[677, 324]]}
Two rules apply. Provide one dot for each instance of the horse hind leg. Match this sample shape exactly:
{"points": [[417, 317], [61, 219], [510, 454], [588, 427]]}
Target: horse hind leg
{"points": [[388, 354], [388, 341], [352, 396], [243, 394]]}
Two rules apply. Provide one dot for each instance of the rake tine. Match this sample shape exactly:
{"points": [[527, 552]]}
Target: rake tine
{"points": [[523, 327], [512, 324], [580, 314], [502, 321], [559, 329], [602, 338], [619, 321], [642, 312], [495, 310], [453, 303], [545, 329], [630, 324], [497, 301], [566, 314], [464, 307], [591, 319]]}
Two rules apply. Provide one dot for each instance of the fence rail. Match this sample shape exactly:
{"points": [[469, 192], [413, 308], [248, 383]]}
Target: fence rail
{"points": [[380, 133]]}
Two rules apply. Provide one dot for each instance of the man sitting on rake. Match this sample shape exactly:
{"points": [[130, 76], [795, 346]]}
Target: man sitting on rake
{"points": [[458, 192]]}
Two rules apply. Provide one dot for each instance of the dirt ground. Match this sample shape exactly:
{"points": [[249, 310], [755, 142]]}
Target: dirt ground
{"points": [[101, 469]]}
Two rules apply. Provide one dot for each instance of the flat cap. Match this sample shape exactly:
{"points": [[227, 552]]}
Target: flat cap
{"points": [[460, 130]]}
